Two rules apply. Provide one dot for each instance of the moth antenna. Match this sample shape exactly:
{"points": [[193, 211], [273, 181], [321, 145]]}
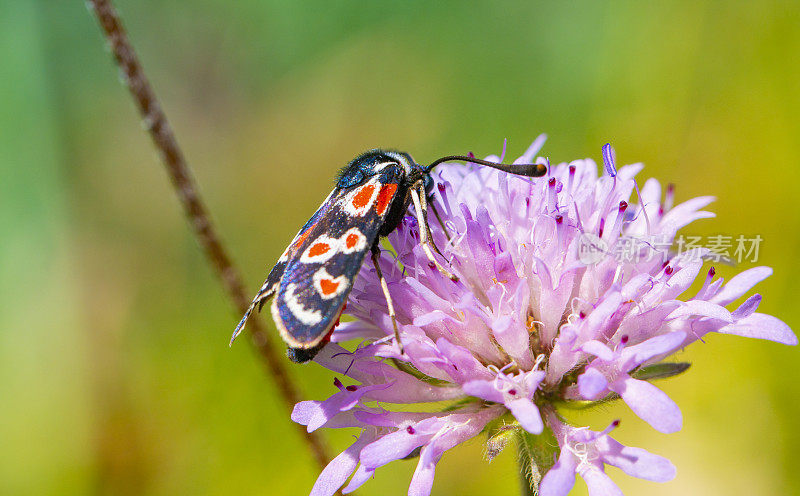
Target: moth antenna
{"points": [[529, 170]]}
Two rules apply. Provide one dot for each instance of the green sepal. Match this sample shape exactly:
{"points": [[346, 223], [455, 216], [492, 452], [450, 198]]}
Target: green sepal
{"points": [[661, 370]]}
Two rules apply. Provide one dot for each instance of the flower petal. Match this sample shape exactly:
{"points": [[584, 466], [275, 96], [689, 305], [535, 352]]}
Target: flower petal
{"points": [[598, 349], [361, 476], [526, 414], [635, 355], [559, 480], [740, 284], [636, 462], [762, 326], [598, 483], [592, 384], [484, 390], [650, 403], [335, 474]]}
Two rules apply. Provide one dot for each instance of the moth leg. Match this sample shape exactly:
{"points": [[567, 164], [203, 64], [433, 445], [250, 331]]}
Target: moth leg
{"points": [[423, 236], [423, 200], [376, 251]]}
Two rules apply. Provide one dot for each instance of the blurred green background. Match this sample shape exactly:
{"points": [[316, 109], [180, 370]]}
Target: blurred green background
{"points": [[115, 375]]}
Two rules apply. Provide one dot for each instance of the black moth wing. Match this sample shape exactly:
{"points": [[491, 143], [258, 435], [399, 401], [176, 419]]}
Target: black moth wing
{"points": [[270, 286], [320, 270]]}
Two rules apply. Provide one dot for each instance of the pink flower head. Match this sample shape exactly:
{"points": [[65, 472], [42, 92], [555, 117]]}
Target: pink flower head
{"points": [[552, 307]]}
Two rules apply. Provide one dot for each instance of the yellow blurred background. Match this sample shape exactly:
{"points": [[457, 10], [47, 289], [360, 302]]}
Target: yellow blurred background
{"points": [[115, 375]]}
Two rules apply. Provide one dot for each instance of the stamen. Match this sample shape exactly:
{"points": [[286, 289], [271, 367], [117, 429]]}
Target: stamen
{"points": [[709, 278], [617, 228], [539, 359], [560, 233], [669, 198], [551, 195], [570, 179]]}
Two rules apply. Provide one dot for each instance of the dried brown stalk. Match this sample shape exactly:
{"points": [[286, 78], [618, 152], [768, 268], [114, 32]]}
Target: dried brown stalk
{"points": [[178, 170]]}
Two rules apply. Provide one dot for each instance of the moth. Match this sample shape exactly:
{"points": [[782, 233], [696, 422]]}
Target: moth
{"points": [[312, 279]]}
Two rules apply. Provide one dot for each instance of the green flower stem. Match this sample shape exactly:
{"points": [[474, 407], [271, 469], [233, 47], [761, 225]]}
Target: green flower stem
{"points": [[537, 453]]}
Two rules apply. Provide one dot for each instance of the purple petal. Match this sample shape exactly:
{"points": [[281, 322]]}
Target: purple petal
{"points": [[391, 419], [762, 326], [315, 414], [650, 403], [592, 384], [598, 349], [356, 329], [633, 356], [530, 153], [361, 476], [635, 462], [398, 444], [532, 381], [484, 390], [682, 279], [558, 481], [740, 284], [335, 474], [422, 480], [526, 414], [685, 213], [703, 309], [599, 484], [464, 363]]}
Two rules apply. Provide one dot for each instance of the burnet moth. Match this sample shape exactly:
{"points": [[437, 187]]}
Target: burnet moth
{"points": [[314, 275]]}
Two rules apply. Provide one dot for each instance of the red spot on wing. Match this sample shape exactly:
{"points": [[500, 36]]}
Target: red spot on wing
{"points": [[352, 240], [318, 248], [328, 286], [385, 198], [361, 199]]}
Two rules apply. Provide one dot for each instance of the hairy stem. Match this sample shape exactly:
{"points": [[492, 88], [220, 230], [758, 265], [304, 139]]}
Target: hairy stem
{"points": [[537, 453], [164, 140]]}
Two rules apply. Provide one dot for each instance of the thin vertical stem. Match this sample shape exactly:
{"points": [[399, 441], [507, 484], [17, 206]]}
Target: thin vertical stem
{"points": [[537, 454], [163, 138]]}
